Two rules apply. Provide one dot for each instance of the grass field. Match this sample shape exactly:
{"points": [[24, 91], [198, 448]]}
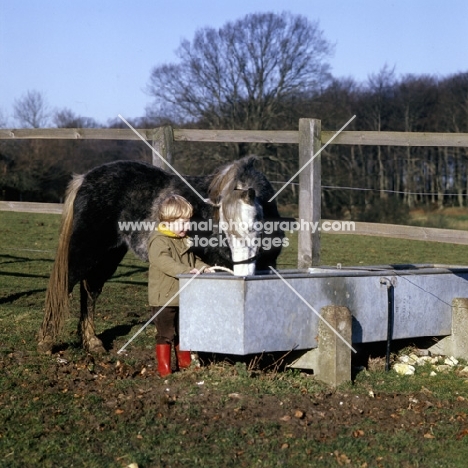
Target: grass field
{"points": [[73, 409]]}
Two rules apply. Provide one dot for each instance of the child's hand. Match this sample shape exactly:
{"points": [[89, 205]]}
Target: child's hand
{"points": [[195, 271]]}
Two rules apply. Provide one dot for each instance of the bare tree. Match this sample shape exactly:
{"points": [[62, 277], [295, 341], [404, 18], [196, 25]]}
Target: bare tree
{"points": [[32, 110], [380, 90], [3, 119], [66, 118], [237, 76]]}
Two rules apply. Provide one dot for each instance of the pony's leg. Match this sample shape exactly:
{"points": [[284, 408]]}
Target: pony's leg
{"points": [[46, 339], [88, 298], [90, 289]]}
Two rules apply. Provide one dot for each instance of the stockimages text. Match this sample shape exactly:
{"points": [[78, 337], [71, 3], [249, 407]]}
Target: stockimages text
{"points": [[245, 232]]}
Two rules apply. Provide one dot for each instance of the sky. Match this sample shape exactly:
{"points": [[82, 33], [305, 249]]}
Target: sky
{"points": [[95, 57]]}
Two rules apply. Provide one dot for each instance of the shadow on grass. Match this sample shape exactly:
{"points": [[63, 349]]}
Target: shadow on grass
{"points": [[13, 297], [276, 361], [109, 336], [15, 259]]}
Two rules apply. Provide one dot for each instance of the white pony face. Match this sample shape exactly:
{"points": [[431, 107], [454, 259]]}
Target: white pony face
{"points": [[242, 236]]}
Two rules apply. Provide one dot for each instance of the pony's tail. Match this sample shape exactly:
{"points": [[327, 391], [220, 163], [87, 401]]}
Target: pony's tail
{"points": [[57, 300]]}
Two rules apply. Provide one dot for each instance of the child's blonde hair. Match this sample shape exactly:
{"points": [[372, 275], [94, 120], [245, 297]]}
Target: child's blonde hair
{"points": [[174, 207]]}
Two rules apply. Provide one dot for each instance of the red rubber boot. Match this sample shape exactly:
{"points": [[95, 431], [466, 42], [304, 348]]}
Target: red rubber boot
{"points": [[184, 359], [163, 356]]}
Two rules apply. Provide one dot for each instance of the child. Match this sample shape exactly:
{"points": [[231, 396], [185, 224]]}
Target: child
{"points": [[169, 256]]}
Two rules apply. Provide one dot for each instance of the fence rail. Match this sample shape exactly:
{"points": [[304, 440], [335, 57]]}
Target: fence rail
{"points": [[396, 231], [241, 136], [31, 207], [310, 139]]}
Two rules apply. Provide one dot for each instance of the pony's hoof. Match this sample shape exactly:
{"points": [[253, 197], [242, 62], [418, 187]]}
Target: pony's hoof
{"points": [[45, 345], [94, 346]]}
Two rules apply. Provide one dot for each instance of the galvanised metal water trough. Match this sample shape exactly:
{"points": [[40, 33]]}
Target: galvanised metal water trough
{"points": [[221, 313]]}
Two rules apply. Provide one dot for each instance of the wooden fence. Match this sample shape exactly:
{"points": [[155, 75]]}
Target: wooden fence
{"points": [[309, 138], [240, 136]]}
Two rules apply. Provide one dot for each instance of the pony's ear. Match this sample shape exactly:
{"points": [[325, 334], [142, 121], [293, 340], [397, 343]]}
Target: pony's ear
{"points": [[249, 195]]}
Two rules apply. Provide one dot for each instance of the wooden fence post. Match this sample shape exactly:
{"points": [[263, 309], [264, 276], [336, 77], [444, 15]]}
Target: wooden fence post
{"points": [[162, 142], [331, 359], [310, 182]]}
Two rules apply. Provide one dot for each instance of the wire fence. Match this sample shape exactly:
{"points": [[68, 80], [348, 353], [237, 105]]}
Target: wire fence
{"points": [[399, 192]]}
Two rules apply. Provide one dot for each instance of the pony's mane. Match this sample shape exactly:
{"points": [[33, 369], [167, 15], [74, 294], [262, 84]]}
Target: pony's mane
{"points": [[228, 186]]}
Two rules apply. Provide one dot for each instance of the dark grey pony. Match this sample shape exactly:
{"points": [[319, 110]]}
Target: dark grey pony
{"points": [[94, 239]]}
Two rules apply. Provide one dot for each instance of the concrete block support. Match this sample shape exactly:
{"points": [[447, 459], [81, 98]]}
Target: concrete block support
{"points": [[455, 344], [331, 360]]}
